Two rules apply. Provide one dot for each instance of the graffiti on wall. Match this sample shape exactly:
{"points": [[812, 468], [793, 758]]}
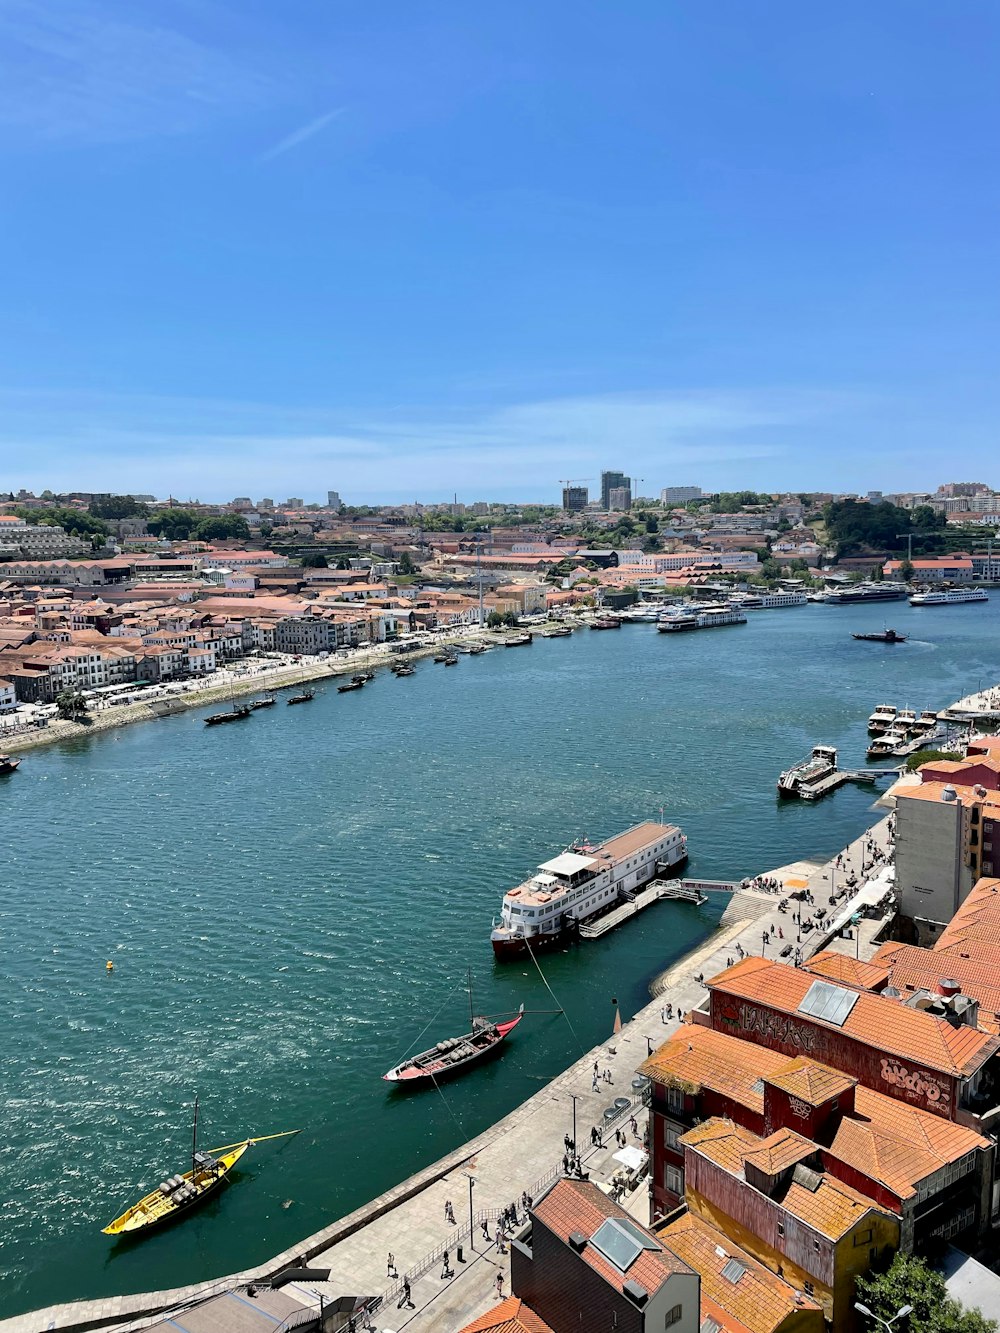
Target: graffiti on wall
{"points": [[935, 1091], [778, 1028]]}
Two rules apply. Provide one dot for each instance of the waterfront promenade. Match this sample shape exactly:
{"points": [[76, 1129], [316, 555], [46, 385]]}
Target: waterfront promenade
{"points": [[522, 1152]]}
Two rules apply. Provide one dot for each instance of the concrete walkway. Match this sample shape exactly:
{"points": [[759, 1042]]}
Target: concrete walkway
{"points": [[522, 1150]]}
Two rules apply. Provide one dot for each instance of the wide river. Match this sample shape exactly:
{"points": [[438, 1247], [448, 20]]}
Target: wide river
{"points": [[289, 901]]}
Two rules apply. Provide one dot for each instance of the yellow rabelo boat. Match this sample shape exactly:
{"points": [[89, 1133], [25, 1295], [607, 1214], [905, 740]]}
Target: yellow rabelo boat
{"points": [[179, 1193]]}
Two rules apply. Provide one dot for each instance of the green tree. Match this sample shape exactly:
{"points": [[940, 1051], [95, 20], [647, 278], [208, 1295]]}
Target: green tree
{"points": [[906, 570], [71, 704], [314, 560], [117, 506], [343, 563], [406, 565], [497, 619], [909, 1281], [227, 527], [928, 519], [77, 521], [914, 761], [175, 525]]}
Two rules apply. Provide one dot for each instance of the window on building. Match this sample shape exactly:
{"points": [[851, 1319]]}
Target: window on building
{"points": [[781, 1228], [816, 1247], [674, 1180], [674, 1316], [863, 1237], [675, 1099], [671, 1137], [809, 1288]]}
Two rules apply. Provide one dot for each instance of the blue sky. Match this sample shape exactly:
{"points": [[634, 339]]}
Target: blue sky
{"points": [[409, 249]]}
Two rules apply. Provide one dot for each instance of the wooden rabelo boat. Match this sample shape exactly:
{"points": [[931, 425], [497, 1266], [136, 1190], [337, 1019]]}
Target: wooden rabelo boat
{"points": [[180, 1193], [454, 1054]]}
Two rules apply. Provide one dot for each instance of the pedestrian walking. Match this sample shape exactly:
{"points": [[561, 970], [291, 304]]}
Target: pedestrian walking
{"points": [[405, 1298], [486, 1229], [391, 1266], [499, 1286], [445, 1270], [595, 1089]]}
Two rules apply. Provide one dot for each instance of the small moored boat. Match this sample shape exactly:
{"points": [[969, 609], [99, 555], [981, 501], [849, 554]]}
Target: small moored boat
{"points": [[180, 1193], [236, 714], [8, 763], [454, 1054], [302, 698], [354, 684]]}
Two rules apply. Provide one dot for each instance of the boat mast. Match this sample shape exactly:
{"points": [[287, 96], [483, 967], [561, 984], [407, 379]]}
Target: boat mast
{"points": [[194, 1132], [472, 1014]]}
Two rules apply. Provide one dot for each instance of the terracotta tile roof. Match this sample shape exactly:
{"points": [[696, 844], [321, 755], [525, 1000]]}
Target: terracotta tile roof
{"points": [[911, 968], [696, 1058], [931, 791], [876, 1020], [577, 1205], [898, 1145], [977, 918], [759, 1300], [779, 1151], [510, 1316], [809, 1081], [846, 971], [832, 1208]]}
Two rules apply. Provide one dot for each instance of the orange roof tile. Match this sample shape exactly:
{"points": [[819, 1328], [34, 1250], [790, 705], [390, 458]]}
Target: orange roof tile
{"points": [[577, 1205], [912, 968], [876, 1020], [698, 1057], [810, 1081], [760, 1300], [779, 1151], [832, 1208], [510, 1316], [978, 917], [846, 971]]}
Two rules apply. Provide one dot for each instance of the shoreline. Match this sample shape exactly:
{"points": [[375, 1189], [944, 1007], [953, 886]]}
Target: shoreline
{"points": [[212, 691], [523, 1147]]}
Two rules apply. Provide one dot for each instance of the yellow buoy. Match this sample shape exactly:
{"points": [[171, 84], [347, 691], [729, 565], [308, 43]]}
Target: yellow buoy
{"points": [[110, 966]]}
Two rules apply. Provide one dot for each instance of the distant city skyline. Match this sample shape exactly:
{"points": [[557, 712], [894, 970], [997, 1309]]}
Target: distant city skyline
{"points": [[274, 245]]}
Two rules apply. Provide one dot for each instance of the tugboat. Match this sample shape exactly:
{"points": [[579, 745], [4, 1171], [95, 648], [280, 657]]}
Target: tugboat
{"points": [[302, 698], [887, 636], [454, 1054], [8, 763]]}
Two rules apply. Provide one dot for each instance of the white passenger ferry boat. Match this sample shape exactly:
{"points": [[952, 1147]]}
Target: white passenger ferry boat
{"points": [[707, 617], [949, 597], [582, 883]]}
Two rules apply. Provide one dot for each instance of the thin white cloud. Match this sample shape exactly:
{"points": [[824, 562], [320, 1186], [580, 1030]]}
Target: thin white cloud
{"points": [[300, 135], [215, 449], [95, 71]]}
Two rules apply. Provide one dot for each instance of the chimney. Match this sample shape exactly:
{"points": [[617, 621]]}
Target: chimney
{"points": [[948, 986]]}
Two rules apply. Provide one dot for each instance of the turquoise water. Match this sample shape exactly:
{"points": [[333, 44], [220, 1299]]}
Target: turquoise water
{"points": [[289, 901]]}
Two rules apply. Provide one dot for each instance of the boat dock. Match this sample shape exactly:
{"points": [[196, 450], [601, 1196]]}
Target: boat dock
{"points": [[654, 892], [812, 791]]}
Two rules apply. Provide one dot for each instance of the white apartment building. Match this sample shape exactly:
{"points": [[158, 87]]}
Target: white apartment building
{"points": [[8, 698], [679, 495]]}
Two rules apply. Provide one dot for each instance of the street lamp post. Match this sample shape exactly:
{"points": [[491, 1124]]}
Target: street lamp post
{"points": [[886, 1323], [472, 1234]]}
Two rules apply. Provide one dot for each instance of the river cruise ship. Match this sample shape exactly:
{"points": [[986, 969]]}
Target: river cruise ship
{"points": [[949, 597], [766, 601], [706, 617], [583, 882], [867, 592]]}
